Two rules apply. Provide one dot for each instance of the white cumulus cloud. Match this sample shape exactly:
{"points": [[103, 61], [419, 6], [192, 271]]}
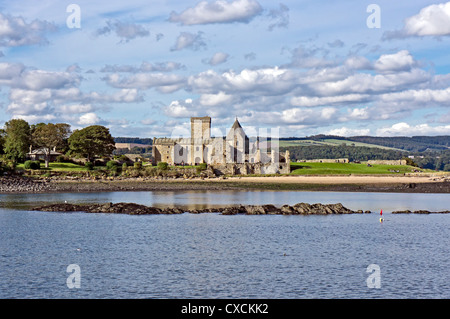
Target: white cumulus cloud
{"points": [[404, 129], [389, 63], [345, 131], [89, 119], [218, 11], [433, 20]]}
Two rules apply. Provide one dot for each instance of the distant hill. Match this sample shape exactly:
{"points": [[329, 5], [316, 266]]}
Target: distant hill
{"points": [[133, 140], [403, 143], [410, 144]]}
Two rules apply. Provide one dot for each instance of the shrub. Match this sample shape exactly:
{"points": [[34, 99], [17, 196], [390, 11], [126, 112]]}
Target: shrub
{"points": [[89, 166], [10, 165], [27, 165], [123, 158], [149, 171], [124, 166], [133, 173], [409, 162], [163, 166], [138, 165], [111, 165], [32, 165], [201, 167]]}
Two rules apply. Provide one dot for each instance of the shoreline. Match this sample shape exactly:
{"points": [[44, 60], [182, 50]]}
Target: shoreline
{"points": [[335, 183]]}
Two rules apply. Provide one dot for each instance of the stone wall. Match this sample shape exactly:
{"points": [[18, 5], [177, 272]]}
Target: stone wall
{"points": [[327, 160], [250, 168], [386, 162]]}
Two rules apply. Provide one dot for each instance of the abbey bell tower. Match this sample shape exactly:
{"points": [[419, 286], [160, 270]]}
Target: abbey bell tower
{"points": [[201, 127]]}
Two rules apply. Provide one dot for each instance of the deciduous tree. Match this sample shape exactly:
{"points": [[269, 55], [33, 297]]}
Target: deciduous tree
{"points": [[91, 142], [17, 141], [50, 136]]}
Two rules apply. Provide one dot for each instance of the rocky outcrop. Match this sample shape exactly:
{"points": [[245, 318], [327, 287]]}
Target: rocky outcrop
{"points": [[17, 184], [420, 212], [136, 209], [300, 209], [118, 208]]}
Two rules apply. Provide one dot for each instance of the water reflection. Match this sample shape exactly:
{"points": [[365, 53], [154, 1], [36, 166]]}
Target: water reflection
{"points": [[212, 199]]}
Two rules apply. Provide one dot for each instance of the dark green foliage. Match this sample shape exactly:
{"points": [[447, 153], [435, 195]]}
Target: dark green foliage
{"points": [[17, 140], [163, 165], [409, 161], [49, 136], [7, 165], [63, 159], [32, 165], [134, 150], [201, 167], [91, 142], [111, 165], [134, 140], [433, 160], [412, 144], [89, 165]]}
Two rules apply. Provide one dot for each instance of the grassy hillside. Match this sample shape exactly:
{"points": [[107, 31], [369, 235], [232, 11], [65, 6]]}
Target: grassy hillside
{"points": [[410, 144]]}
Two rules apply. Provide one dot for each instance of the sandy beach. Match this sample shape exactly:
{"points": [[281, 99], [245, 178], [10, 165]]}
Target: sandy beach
{"points": [[339, 179]]}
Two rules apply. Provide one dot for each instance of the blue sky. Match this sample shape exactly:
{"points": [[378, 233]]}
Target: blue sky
{"points": [[142, 68]]}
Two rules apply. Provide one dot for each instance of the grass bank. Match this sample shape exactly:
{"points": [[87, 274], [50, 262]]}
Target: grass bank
{"points": [[304, 168], [309, 168], [59, 167]]}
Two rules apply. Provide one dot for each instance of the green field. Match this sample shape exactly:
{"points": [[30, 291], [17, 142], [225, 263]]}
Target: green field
{"points": [[348, 168], [306, 168]]}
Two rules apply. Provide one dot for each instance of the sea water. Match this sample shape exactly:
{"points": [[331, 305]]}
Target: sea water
{"points": [[215, 256]]}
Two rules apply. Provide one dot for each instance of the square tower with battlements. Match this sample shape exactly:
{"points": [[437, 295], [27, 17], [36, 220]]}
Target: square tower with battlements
{"points": [[201, 127]]}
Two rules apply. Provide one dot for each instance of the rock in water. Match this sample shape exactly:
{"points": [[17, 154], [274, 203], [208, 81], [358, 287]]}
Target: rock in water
{"points": [[268, 209]]}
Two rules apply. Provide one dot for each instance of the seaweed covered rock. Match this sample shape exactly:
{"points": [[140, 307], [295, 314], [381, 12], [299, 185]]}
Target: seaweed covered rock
{"points": [[268, 209]]}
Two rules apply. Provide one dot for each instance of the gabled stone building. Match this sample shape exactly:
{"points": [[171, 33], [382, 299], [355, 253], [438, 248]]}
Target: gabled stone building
{"points": [[234, 153]]}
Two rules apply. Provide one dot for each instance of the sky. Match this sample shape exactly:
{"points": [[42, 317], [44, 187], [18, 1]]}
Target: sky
{"points": [[142, 68]]}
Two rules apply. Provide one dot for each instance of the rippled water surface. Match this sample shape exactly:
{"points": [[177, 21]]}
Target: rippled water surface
{"points": [[215, 256]]}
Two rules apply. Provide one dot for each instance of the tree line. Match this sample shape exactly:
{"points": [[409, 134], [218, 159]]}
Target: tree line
{"points": [[134, 140], [18, 135], [439, 161]]}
